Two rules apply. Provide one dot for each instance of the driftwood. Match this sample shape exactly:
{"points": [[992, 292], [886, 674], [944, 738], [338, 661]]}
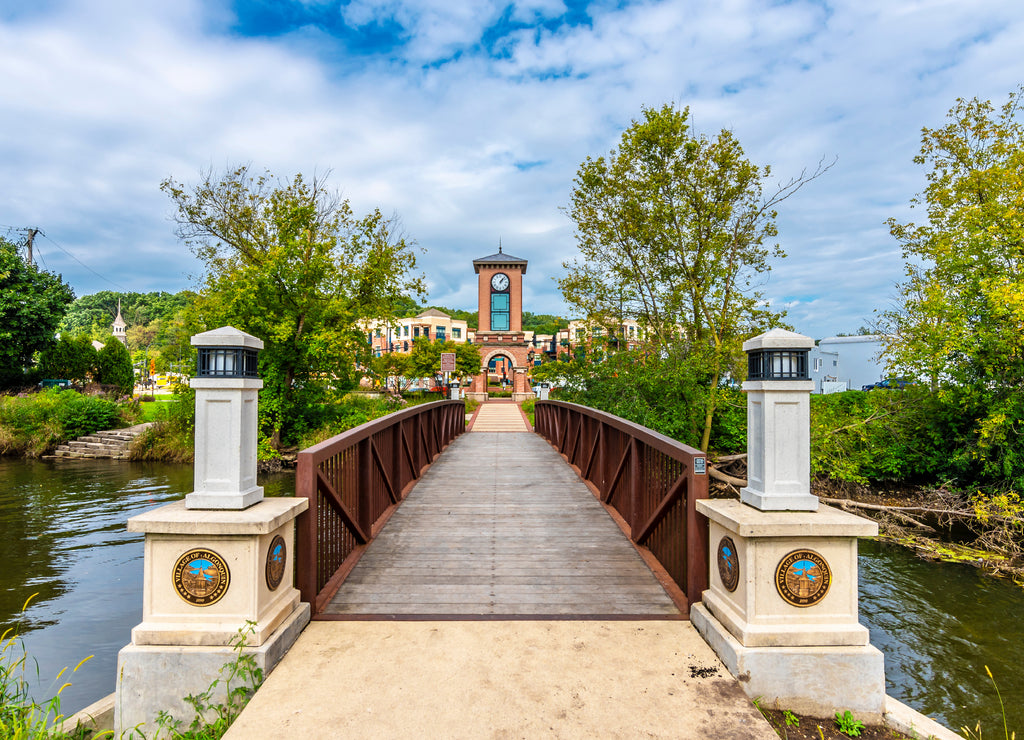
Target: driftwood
{"points": [[725, 478]]}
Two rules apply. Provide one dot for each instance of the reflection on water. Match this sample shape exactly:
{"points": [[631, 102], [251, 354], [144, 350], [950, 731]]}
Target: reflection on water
{"points": [[63, 536], [939, 625]]}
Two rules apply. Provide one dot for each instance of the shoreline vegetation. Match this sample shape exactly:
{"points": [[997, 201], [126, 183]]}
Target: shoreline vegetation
{"points": [[981, 525]]}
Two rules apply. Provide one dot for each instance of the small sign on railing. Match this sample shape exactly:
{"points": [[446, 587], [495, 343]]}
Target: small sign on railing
{"points": [[700, 466]]}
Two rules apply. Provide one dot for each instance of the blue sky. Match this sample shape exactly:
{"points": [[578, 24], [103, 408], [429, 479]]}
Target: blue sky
{"points": [[469, 121]]}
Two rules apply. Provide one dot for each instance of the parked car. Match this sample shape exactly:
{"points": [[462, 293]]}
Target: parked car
{"points": [[890, 384]]}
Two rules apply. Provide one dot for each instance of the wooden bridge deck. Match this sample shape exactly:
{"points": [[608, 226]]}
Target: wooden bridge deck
{"points": [[501, 527]]}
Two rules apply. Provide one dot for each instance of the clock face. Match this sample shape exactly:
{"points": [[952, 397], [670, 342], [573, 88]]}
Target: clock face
{"points": [[500, 281]]}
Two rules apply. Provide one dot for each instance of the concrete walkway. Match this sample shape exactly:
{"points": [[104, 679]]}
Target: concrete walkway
{"points": [[515, 679], [499, 416]]}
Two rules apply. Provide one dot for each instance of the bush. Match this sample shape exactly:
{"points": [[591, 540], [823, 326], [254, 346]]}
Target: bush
{"points": [[33, 425]]}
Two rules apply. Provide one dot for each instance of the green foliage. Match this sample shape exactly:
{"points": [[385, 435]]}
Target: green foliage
{"points": [[543, 323], [114, 366], [790, 719], [33, 425], [289, 263], [675, 231], [21, 717], [961, 309], [349, 412], [224, 699], [32, 302], [953, 435], [69, 358], [669, 394], [425, 358], [848, 725]]}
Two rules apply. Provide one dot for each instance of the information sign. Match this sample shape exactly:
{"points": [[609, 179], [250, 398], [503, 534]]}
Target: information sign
{"points": [[447, 362]]}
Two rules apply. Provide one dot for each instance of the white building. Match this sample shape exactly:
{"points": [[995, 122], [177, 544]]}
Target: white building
{"points": [[846, 363]]}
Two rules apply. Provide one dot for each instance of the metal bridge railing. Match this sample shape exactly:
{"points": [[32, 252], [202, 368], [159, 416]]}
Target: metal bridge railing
{"points": [[354, 481], [652, 482]]}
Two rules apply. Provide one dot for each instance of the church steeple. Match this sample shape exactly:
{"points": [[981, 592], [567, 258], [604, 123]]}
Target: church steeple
{"points": [[120, 328]]}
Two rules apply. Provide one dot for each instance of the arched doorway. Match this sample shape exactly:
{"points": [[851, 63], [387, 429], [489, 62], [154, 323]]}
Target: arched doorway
{"points": [[500, 369]]}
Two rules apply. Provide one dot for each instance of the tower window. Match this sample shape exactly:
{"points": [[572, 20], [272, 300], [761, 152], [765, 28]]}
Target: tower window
{"points": [[499, 312]]}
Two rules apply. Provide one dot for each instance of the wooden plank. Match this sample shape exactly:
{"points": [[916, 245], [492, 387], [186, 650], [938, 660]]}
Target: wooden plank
{"points": [[500, 525]]}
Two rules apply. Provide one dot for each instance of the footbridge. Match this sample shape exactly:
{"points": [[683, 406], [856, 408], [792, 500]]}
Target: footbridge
{"points": [[512, 581], [503, 521]]}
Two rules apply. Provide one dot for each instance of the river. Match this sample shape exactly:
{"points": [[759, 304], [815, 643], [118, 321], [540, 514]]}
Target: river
{"points": [[63, 536]]}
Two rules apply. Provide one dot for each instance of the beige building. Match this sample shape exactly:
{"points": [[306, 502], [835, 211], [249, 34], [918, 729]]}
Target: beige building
{"points": [[399, 335]]}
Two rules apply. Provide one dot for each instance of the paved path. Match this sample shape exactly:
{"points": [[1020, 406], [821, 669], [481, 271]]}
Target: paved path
{"points": [[500, 525], [519, 679], [499, 416]]}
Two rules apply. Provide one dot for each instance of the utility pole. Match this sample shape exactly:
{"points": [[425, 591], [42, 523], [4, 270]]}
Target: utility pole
{"points": [[28, 244]]}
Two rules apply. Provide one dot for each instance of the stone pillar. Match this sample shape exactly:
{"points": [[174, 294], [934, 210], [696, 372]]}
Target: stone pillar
{"points": [[520, 385], [781, 610], [478, 388], [216, 561]]}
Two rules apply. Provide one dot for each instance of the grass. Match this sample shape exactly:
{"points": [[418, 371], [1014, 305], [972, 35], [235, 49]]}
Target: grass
{"points": [[157, 410]]}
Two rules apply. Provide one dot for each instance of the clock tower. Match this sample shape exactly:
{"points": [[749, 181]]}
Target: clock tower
{"points": [[500, 333]]}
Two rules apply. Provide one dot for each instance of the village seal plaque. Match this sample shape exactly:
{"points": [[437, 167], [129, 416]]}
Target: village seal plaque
{"points": [[201, 577], [277, 556], [802, 578], [728, 564]]}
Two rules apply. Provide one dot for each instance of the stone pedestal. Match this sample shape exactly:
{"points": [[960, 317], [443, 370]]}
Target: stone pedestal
{"points": [[207, 573], [781, 610]]}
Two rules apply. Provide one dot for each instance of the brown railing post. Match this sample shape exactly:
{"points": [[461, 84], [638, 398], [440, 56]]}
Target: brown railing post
{"points": [[697, 537], [306, 529]]}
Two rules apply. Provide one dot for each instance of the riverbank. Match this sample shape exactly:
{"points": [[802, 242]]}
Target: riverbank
{"points": [[940, 523]]}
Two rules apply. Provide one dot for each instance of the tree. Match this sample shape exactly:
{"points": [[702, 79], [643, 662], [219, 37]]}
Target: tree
{"points": [[958, 321], [425, 357], [32, 302], [114, 366], [959, 316], [289, 263], [69, 358], [675, 231]]}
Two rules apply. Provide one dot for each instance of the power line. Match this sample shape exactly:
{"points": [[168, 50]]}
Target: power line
{"points": [[101, 277]]}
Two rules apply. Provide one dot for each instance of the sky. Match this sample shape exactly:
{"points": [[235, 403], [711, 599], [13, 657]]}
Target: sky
{"points": [[469, 120]]}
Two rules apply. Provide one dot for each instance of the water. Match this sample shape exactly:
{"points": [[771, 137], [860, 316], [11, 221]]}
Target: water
{"points": [[939, 625], [62, 534]]}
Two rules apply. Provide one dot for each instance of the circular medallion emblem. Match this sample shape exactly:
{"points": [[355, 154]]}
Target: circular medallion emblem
{"points": [[201, 577], [728, 564], [803, 577], [277, 556]]}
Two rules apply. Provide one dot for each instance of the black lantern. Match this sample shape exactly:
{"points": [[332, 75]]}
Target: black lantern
{"points": [[227, 362], [777, 364]]}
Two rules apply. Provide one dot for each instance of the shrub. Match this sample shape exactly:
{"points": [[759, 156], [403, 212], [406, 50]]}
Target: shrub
{"points": [[35, 424]]}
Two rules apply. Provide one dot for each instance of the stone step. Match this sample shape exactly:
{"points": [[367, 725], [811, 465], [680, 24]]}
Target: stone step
{"points": [[108, 444]]}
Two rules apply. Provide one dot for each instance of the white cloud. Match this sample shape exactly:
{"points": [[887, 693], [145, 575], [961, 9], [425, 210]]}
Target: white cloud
{"points": [[100, 101]]}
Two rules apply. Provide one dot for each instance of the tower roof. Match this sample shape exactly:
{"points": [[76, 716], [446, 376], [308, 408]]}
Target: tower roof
{"points": [[118, 320], [500, 259]]}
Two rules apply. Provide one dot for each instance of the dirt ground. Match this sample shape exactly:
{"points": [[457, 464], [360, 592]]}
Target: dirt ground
{"points": [[810, 728]]}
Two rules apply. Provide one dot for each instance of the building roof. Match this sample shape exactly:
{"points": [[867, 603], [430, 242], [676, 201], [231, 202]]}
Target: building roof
{"points": [[433, 313], [500, 258]]}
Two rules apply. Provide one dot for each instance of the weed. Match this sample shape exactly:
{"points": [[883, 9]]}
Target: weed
{"points": [[790, 719], [20, 715], [976, 733], [848, 725], [240, 677]]}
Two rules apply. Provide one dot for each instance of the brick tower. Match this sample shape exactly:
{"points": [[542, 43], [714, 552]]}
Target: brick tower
{"points": [[500, 334]]}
